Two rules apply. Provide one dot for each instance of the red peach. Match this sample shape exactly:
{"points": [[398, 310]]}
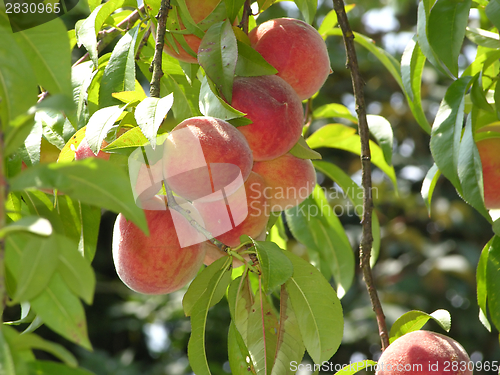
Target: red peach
{"points": [[203, 155], [424, 353], [275, 110], [490, 160], [289, 180], [199, 10], [157, 264], [296, 50], [83, 151], [240, 213]]}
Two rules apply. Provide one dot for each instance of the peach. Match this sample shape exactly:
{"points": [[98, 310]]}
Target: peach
{"points": [[296, 50], [148, 181], [83, 151], [289, 180], [275, 110], [203, 156], [490, 160], [158, 263], [240, 213], [424, 353], [199, 10]]}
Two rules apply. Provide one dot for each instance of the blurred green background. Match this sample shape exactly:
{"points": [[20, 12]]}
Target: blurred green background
{"points": [[425, 263]]}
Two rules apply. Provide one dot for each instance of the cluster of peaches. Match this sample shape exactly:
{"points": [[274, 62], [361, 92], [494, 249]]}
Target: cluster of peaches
{"points": [[229, 179]]}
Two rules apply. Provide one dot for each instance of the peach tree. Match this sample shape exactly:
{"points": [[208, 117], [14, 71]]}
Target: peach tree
{"points": [[211, 59]]}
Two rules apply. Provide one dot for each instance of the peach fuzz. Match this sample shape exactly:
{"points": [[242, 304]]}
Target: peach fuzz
{"points": [[156, 264], [423, 353], [83, 151], [490, 160], [241, 213], [199, 10], [203, 155], [289, 180], [296, 50], [275, 110]]}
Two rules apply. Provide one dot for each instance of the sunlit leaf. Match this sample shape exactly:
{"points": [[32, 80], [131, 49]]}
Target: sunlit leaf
{"points": [[308, 9], [428, 186], [414, 320], [493, 281], [381, 130], [150, 114], [100, 124], [32, 224], [481, 285], [251, 63]]}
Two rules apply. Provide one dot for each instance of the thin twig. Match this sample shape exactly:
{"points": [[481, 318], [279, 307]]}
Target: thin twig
{"points": [[3, 199], [247, 11], [367, 237], [106, 37], [160, 41], [144, 40]]}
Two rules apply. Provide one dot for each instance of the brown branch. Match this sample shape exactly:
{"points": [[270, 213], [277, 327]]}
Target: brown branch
{"points": [[3, 199], [160, 41], [144, 40], [247, 11], [106, 37], [364, 133]]}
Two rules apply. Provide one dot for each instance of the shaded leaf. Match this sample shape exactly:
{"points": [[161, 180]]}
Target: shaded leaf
{"points": [[302, 150], [308, 9], [237, 352], [493, 281], [6, 354], [276, 268], [50, 368], [492, 11], [212, 105]]}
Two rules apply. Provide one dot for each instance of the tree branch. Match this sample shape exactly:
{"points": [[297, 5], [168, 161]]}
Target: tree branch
{"points": [[364, 133], [247, 11], [160, 41], [106, 37]]}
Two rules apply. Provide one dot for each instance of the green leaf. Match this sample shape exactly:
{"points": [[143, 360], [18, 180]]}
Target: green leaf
{"points": [[447, 130], [302, 150], [39, 260], [412, 67], [92, 181], [446, 30], [317, 308], [47, 48], [76, 270], [51, 368], [150, 113], [32, 224], [390, 63], [199, 286], [414, 320], [492, 11], [86, 33], [328, 23], [493, 281], [18, 91], [250, 63], [381, 130], [308, 9], [428, 186], [482, 37], [334, 110], [90, 218], [240, 300], [17, 132], [237, 352], [196, 346], [262, 334], [478, 96], [62, 312], [218, 54], [81, 77], [127, 142], [212, 105], [28, 341], [355, 367], [481, 284], [232, 8], [290, 348], [470, 171], [6, 360], [100, 124], [119, 74], [276, 268], [328, 136]]}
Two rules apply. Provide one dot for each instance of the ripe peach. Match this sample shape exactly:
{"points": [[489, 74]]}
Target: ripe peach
{"points": [[148, 181], [424, 353], [276, 112], [199, 10], [203, 155], [157, 264], [490, 160], [243, 212], [289, 180], [83, 151], [296, 50]]}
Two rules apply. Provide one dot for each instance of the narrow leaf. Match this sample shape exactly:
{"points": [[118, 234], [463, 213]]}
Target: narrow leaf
{"points": [[250, 63], [6, 360], [150, 113], [355, 367], [414, 320], [276, 268], [50, 368], [381, 130], [492, 11], [31, 224], [317, 308], [303, 151], [308, 9], [100, 124], [212, 105], [218, 54], [334, 110], [493, 281], [428, 186], [481, 285]]}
